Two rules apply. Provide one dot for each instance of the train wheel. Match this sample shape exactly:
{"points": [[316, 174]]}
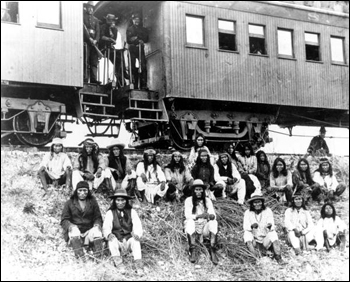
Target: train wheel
{"points": [[21, 123]]}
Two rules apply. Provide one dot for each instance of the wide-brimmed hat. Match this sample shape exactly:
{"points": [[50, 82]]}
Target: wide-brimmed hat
{"points": [[198, 183], [116, 143], [323, 129], [120, 193], [111, 17], [150, 152], [255, 197], [89, 4], [57, 141], [88, 141]]}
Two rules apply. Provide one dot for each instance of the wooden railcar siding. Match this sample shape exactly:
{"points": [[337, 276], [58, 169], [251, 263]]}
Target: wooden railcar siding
{"points": [[42, 55], [211, 74]]}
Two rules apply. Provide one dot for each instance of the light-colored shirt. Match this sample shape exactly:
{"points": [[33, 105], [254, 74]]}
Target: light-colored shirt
{"points": [[333, 227], [281, 181], [199, 210], [56, 164], [249, 165], [153, 176], [181, 178], [300, 219], [108, 224], [327, 181], [262, 219]]}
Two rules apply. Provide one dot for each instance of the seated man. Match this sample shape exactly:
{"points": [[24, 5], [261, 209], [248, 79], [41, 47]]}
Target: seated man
{"points": [[90, 166], [81, 221], [227, 175], [56, 166], [330, 229], [259, 228], [200, 220], [151, 179], [118, 163], [178, 176], [123, 230], [299, 224]]}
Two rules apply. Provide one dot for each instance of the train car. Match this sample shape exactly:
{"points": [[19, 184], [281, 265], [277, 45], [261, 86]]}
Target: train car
{"points": [[226, 69]]}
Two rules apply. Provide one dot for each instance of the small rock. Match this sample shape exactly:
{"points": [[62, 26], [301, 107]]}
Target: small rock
{"points": [[197, 266]]}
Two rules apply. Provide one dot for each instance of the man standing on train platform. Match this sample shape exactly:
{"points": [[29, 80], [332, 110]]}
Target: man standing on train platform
{"points": [[91, 38], [137, 36], [318, 145]]}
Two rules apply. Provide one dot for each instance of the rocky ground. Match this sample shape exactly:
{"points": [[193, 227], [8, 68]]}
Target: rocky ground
{"points": [[32, 246]]}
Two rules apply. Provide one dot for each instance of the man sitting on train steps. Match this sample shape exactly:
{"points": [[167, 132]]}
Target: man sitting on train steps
{"points": [[90, 166], [56, 166], [318, 145]]}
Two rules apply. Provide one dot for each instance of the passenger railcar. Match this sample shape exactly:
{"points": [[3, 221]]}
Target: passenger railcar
{"points": [[226, 69]]}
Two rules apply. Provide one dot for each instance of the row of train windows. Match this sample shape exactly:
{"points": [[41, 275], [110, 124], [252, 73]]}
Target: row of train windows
{"points": [[257, 42]]}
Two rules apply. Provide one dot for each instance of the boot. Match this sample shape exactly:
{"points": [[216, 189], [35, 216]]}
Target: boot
{"points": [[297, 251], [325, 236], [98, 247], [212, 249], [192, 244], [42, 178], [251, 248], [77, 247], [109, 186], [342, 242], [140, 195], [277, 250], [69, 179]]}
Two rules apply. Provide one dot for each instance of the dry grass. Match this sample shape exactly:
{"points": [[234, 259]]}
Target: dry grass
{"points": [[33, 247]]}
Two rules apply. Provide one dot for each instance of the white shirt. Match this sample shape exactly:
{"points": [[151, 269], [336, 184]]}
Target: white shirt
{"points": [[300, 220], [56, 164], [153, 176], [262, 219], [327, 181]]}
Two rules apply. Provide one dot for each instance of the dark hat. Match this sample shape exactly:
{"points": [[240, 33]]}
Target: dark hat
{"points": [[136, 15], [198, 183], [88, 141], [323, 129], [111, 17], [116, 143], [254, 198], [89, 4], [120, 193], [82, 184]]}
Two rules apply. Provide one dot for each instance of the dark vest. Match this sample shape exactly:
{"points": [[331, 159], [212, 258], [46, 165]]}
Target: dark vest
{"points": [[225, 172], [122, 226]]}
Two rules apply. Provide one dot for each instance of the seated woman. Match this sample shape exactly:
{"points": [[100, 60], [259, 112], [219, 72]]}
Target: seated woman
{"points": [[230, 149], [259, 228], [227, 175], [200, 221], [299, 224], [178, 176], [330, 229], [247, 169], [199, 144], [204, 171], [263, 170], [302, 180], [329, 188], [120, 168], [281, 181]]}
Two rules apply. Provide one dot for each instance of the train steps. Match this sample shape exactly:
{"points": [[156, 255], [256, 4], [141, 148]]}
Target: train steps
{"points": [[146, 106]]}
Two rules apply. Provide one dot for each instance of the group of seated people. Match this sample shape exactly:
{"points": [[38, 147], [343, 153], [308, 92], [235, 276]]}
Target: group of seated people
{"points": [[242, 177]]}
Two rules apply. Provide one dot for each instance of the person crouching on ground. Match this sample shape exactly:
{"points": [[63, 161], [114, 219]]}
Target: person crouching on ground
{"points": [[227, 175], [259, 228], [151, 179], [200, 220], [178, 176], [330, 229], [123, 229], [90, 166], [56, 166], [299, 224], [81, 221]]}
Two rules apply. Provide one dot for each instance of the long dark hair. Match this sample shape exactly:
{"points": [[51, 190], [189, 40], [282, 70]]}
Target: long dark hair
{"points": [[111, 157], [196, 168], [251, 207], [194, 200], [323, 210], [75, 194], [265, 162], [52, 151], [94, 155], [172, 165], [330, 170], [145, 162], [309, 180], [196, 144], [284, 171], [302, 205], [113, 206], [233, 155], [221, 166], [249, 146]]}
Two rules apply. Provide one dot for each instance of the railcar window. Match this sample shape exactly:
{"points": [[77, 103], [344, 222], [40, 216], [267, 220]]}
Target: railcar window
{"points": [[9, 12], [312, 46], [49, 14], [285, 42], [337, 50], [227, 35], [194, 30], [257, 39]]}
